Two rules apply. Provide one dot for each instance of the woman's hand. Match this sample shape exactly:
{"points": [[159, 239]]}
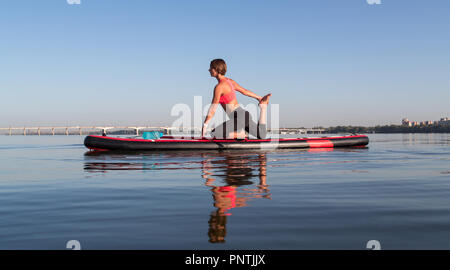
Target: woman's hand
{"points": [[204, 130]]}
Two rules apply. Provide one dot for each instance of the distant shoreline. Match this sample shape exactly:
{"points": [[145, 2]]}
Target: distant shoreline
{"points": [[389, 129]]}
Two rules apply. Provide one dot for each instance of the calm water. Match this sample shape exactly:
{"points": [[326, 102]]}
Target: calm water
{"points": [[397, 191]]}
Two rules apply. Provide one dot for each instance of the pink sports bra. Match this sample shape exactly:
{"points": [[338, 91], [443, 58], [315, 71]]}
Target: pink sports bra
{"points": [[225, 99]]}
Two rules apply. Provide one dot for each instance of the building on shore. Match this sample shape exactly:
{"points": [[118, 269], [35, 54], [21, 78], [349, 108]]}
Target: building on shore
{"points": [[426, 123], [406, 122], [444, 121]]}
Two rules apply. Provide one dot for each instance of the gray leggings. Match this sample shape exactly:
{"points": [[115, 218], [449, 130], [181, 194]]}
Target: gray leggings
{"points": [[240, 119]]}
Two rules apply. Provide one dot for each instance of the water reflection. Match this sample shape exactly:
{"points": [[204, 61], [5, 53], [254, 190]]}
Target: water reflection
{"points": [[412, 139], [229, 175], [235, 178], [239, 171]]}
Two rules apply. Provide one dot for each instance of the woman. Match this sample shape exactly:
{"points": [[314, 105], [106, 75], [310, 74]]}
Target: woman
{"points": [[240, 121]]}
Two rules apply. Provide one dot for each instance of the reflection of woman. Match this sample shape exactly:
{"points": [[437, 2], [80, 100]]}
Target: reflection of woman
{"points": [[217, 227], [240, 120], [237, 173], [237, 170]]}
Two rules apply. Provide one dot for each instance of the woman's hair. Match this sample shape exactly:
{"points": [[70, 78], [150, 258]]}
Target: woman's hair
{"points": [[219, 65]]}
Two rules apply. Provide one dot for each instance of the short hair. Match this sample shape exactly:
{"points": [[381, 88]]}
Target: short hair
{"points": [[219, 65]]}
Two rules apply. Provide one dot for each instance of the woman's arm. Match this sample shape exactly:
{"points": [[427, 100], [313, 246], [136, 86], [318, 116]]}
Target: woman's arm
{"points": [[245, 91], [214, 104], [212, 108]]}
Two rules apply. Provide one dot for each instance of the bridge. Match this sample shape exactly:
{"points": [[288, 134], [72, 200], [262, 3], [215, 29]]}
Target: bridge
{"points": [[300, 130], [87, 130]]}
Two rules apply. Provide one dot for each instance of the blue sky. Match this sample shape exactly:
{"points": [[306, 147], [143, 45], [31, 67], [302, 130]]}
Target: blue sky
{"points": [[326, 62]]}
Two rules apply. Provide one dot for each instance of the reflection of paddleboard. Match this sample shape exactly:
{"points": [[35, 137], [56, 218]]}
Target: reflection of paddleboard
{"points": [[172, 143]]}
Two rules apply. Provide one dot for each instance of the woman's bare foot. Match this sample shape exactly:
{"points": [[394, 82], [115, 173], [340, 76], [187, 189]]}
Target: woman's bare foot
{"points": [[265, 100], [263, 109]]}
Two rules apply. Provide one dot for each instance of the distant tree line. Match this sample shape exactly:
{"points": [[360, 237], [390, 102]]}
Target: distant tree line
{"points": [[390, 129]]}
